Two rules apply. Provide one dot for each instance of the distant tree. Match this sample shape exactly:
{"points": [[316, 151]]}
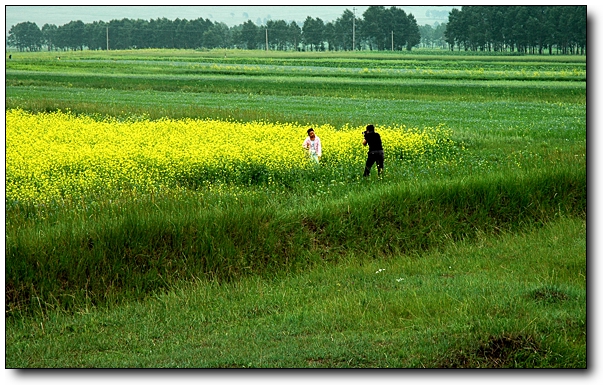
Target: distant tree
{"points": [[248, 37], [389, 28], [399, 27], [25, 36], [121, 33], [577, 20], [344, 30], [438, 35], [453, 33], [261, 37], [277, 34], [180, 35], [372, 30], [478, 31], [330, 36], [523, 29], [161, 33], [198, 28], [48, 34], [295, 35], [96, 35], [140, 36], [427, 36], [413, 37], [71, 36], [507, 27], [77, 31], [521, 36], [537, 26], [497, 22], [218, 36], [236, 39], [313, 33], [188, 34]]}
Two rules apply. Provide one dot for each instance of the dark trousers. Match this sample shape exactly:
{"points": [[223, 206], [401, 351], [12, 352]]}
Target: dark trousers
{"points": [[374, 157]]}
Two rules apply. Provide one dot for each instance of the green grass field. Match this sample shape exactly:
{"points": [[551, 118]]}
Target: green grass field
{"points": [[473, 256]]}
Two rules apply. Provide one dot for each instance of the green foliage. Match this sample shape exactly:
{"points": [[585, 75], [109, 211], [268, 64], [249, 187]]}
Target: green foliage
{"points": [[203, 34], [487, 28], [151, 245], [468, 305], [25, 36]]}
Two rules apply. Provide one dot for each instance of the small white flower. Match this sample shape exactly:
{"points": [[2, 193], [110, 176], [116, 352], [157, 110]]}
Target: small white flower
{"points": [[379, 271], [400, 279]]}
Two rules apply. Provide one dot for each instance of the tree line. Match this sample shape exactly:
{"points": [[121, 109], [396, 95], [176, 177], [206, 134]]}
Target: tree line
{"points": [[523, 29], [379, 28]]}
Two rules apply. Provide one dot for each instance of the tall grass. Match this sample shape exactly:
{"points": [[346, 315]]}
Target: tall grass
{"points": [[150, 245], [508, 301]]}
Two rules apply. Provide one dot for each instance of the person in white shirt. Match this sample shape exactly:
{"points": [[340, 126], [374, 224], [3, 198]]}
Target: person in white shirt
{"points": [[313, 146]]}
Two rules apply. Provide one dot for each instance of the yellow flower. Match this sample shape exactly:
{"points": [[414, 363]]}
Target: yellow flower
{"points": [[56, 156]]}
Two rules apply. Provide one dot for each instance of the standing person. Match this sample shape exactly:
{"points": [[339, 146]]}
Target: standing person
{"points": [[313, 146], [375, 153]]}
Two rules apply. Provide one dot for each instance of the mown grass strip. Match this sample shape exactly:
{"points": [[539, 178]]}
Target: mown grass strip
{"points": [[320, 87]]}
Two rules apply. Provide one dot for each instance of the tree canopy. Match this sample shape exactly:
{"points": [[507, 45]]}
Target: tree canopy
{"points": [[524, 29]]}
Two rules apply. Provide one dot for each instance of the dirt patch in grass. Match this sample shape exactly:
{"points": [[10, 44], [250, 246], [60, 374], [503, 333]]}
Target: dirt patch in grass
{"points": [[505, 351], [548, 294]]}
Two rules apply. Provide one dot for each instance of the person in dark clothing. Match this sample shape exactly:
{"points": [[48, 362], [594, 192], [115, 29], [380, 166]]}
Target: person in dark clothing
{"points": [[375, 153]]}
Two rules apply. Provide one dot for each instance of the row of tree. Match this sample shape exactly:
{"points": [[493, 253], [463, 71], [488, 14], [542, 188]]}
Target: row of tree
{"points": [[525, 29], [379, 28]]}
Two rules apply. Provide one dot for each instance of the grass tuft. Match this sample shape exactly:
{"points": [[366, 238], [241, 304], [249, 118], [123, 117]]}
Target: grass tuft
{"points": [[497, 352]]}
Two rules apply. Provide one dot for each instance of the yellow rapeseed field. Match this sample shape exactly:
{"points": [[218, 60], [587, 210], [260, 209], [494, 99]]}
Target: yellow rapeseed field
{"points": [[55, 156]]}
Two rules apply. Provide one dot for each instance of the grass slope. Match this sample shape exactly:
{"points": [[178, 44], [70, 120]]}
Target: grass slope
{"points": [[148, 246], [505, 301]]}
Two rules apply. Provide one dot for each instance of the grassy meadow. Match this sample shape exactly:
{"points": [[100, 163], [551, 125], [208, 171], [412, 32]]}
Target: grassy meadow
{"points": [[160, 211]]}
